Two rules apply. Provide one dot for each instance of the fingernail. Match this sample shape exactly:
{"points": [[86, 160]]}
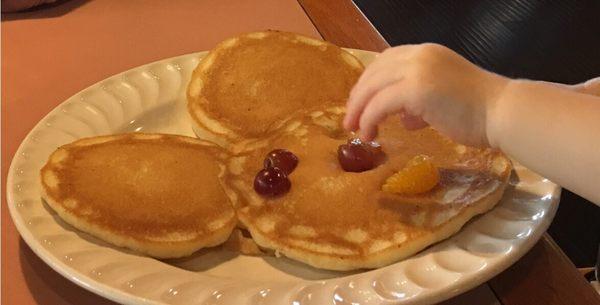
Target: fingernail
{"points": [[364, 136], [348, 124], [345, 121]]}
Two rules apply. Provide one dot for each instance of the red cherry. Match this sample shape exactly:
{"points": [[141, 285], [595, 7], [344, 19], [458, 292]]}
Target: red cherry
{"points": [[282, 159], [271, 182], [357, 156], [373, 146]]}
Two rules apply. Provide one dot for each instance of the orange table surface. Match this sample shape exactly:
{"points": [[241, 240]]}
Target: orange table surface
{"points": [[52, 53]]}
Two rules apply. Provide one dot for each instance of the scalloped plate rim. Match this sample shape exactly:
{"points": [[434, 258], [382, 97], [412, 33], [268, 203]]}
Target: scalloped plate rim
{"points": [[121, 296], [57, 265]]}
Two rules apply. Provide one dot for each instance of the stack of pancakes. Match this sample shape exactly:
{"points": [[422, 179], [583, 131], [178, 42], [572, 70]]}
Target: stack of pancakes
{"points": [[167, 196]]}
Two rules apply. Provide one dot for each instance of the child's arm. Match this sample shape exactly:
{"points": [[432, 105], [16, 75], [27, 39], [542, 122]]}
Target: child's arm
{"points": [[552, 129]]}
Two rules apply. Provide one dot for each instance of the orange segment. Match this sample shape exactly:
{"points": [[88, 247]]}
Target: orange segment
{"points": [[418, 176]]}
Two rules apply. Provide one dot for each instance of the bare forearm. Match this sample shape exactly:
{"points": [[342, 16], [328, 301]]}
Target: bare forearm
{"points": [[551, 130]]}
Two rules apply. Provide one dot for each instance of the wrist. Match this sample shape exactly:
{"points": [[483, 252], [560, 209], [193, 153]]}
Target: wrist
{"points": [[497, 111]]}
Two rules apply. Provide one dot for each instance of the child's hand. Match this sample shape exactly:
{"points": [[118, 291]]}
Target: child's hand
{"points": [[550, 128], [428, 82]]}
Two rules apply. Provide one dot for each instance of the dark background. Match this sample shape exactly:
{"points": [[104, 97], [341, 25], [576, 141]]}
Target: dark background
{"points": [[537, 39]]}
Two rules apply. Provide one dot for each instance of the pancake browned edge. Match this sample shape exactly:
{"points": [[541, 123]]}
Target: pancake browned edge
{"points": [[251, 84], [337, 220], [157, 194]]}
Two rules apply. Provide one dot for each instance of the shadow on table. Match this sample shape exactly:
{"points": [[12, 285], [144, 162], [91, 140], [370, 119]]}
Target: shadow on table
{"points": [[50, 10], [49, 287]]}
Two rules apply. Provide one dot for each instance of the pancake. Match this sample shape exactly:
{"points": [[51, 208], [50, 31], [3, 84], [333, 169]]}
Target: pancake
{"points": [[157, 194], [340, 220], [250, 85]]}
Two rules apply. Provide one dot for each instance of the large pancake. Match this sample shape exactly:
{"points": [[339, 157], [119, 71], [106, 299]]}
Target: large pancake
{"points": [[156, 194], [341, 220], [251, 84]]}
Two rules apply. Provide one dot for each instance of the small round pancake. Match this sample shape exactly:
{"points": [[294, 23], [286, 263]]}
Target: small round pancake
{"points": [[157, 194], [251, 84], [340, 220]]}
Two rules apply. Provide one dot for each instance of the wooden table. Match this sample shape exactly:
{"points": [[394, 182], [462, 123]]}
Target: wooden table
{"points": [[51, 53]]}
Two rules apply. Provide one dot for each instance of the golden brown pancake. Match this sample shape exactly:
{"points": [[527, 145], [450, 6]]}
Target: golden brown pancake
{"points": [[156, 194], [251, 84], [341, 220]]}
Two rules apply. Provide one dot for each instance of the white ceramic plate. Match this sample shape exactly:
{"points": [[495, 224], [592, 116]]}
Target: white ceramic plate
{"points": [[151, 98]]}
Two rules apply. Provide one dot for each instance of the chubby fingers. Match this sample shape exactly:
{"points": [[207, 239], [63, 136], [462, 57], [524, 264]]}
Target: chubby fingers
{"points": [[372, 81], [387, 101], [385, 70]]}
